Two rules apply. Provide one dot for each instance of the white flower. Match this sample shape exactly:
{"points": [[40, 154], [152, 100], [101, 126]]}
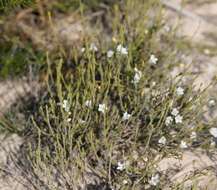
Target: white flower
{"points": [[121, 166], [175, 112], [126, 116], [88, 103], [110, 53], [212, 144], [178, 119], [167, 28], [162, 140], [212, 103], [169, 120], [153, 60], [122, 50], [207, 51], [155, 179], [137, 76], [191, 98], [81, 121], [180, 91], [65, 105], [145, 159], [183, 145], [83, 50], [69, 120], [93, 47], [102, 108], [213, 132], [125, 182], [193, 135]]}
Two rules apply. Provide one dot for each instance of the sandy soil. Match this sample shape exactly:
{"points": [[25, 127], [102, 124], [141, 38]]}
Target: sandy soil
{"points": [[198, 24], [198, 28]]}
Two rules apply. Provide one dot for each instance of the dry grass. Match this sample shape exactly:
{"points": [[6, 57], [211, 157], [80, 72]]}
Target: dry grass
{"points": [[80, 135]]}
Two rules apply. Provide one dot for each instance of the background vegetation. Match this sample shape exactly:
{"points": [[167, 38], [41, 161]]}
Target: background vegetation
{"points": [[110, 110]]}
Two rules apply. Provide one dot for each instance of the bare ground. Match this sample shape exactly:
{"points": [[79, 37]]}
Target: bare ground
{"points": [[201, 27]]}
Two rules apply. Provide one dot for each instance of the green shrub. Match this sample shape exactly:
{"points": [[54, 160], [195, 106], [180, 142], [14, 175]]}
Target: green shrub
{"points": [[114, 109], [8, 4], [16, 60]]}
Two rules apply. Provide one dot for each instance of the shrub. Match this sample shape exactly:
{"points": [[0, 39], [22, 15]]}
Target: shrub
{"points": [[114, 109]]}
